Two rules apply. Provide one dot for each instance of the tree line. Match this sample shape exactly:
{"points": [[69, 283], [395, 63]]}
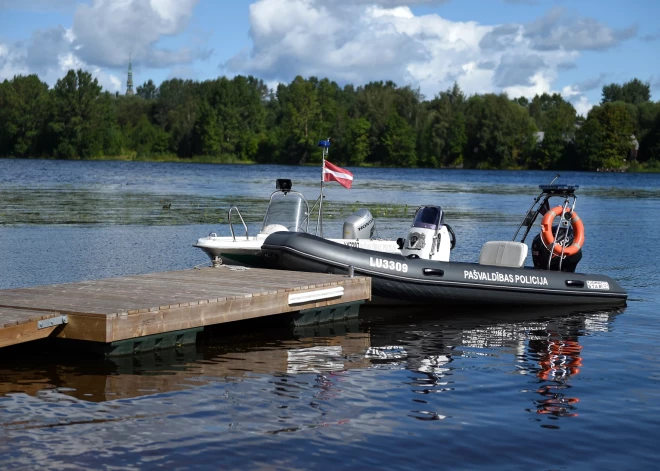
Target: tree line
{"points": [[380, 123]]}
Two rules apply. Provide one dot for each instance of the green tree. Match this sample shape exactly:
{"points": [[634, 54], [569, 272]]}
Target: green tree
{"points": [[300, 120], [358, 137], [443, 135], [176, 113], [77, 119], [148, 140], [605, 139], [500, 133], [556, 118], [634, 92], [24, 107], [376, 101], [399, 143], [649, 150], [148, 90]]}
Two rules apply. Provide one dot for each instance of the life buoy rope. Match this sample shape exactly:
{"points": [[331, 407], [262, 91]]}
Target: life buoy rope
{"points": [[549, 238]]}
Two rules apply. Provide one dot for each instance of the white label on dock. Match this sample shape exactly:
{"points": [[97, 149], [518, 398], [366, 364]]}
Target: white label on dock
{"points": [[317, 295]]}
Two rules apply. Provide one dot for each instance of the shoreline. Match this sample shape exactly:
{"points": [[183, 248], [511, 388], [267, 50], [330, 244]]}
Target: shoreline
{"points": [[638, 168]]}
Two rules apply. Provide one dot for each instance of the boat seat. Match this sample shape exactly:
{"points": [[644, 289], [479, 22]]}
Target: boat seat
{"points": [[503, 253]]}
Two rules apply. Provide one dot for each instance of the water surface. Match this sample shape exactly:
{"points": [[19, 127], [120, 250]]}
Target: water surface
{"points": [[398, 389]]}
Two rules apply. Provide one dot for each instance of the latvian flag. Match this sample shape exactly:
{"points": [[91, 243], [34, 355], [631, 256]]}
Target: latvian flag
{"points": [[333, 173]]}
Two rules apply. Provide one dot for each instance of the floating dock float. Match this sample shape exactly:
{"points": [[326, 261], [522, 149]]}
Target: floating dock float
{"points": [[138, 313]]}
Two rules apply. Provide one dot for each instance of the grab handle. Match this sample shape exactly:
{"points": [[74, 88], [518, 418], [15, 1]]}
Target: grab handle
{"points": [[231, 226], [433, 272], [575, 283]]}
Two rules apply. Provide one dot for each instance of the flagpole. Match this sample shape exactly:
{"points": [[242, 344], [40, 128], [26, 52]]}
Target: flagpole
{"points": [[319, 221]]}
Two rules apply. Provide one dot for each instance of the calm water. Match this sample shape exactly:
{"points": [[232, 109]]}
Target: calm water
{"points": [[398, 389]]}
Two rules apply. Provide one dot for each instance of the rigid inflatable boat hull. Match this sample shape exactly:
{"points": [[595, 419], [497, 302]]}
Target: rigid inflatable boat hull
{"points": [[423, 281]]}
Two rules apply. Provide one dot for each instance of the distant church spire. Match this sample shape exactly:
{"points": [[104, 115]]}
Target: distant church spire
{"points": [[129, 81]]}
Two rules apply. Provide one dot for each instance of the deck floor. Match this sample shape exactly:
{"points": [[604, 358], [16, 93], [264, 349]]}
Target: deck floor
{"points": [[128, 307]]}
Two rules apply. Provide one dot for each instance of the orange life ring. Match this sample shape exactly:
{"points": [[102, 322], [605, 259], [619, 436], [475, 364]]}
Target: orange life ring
{"points": [[549, 238]]}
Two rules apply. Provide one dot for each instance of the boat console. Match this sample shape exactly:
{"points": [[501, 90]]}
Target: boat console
{"points": [[429, 237]]}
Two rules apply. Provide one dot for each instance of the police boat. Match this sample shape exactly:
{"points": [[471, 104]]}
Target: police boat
{"points": [[287, 210], [422, 272]]}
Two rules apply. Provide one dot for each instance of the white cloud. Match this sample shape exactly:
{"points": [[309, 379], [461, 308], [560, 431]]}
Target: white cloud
{"points": [[358, 42], [539, 83], [558, 29], [103, 34], [108, 30], [20, 59], [11, 63], [583, 105]]}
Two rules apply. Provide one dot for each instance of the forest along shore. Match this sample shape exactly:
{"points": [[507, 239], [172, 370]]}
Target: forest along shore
{"points": [[240, 120]]}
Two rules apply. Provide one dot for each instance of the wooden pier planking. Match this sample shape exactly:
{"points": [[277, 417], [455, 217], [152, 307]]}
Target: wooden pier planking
{"points": [[21, 325], [131, 307]]}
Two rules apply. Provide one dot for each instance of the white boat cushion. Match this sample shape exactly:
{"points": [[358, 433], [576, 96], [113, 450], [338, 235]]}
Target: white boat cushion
{"points": [[503, 253]]}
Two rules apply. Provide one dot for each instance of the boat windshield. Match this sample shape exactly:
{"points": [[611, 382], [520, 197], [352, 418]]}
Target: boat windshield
{"points": [[428, 217], [289, 210]]}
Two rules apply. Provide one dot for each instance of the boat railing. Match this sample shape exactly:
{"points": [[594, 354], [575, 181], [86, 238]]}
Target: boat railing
{"points": [[231, 226]]}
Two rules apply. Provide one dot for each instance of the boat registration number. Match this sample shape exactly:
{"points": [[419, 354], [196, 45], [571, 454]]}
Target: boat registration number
{"points": [[388, 264], [598, 284]]}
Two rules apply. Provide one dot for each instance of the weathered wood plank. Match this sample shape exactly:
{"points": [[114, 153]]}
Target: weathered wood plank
{"points": [[122, 308], [21, 325]]}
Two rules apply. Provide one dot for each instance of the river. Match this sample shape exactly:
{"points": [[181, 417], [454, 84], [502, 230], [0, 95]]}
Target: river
{"points": [[399, 388]]}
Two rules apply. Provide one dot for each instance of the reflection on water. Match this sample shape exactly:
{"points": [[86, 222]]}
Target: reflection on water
{"points": [[546, 350], [354, 382]]}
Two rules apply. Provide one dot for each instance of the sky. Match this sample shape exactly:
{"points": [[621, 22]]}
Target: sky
{"points": [[521, 47]]}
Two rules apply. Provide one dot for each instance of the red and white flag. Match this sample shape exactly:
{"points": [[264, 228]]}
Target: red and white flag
{"points": [[333, 173]]}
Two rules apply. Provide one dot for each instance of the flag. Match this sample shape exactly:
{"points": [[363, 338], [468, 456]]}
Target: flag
{"points": [[333, 173]]}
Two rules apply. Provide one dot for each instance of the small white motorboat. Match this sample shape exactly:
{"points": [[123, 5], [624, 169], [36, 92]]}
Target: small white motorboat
{"points": [[288, 210]]}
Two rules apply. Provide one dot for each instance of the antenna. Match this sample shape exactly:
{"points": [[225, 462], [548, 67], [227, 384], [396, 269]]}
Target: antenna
{"points": [[129, 80]]}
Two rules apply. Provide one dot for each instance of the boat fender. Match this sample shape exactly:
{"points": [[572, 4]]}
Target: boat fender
{"points": [[549, 238]]}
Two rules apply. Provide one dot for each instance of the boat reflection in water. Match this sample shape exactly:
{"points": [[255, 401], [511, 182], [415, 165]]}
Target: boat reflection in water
{"points": [[559, 358], [544, 345], [443, 352]]}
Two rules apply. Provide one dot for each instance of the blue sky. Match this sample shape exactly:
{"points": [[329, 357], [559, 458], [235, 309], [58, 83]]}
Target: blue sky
{"points": [[521, 47]]}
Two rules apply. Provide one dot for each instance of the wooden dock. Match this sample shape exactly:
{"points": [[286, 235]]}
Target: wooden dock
{"points": [[146, 307]]}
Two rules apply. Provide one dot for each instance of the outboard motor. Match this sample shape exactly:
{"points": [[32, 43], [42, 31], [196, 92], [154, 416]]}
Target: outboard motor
{"points": [[359, 225], [541, 253], [429, 236]]}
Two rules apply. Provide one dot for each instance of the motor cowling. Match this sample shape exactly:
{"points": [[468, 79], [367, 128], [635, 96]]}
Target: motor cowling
{"points": [[428, 238], [359, 225], [541, 253]]}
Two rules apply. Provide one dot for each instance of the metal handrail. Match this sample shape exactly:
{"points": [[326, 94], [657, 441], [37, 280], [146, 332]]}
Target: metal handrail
{"points": [[231, 226]]}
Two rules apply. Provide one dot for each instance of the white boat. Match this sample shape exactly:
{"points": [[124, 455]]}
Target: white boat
{"points": [[288, 210]]}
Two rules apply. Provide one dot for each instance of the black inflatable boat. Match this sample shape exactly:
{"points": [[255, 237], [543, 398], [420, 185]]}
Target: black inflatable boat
{"points": [[420, 275]]}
